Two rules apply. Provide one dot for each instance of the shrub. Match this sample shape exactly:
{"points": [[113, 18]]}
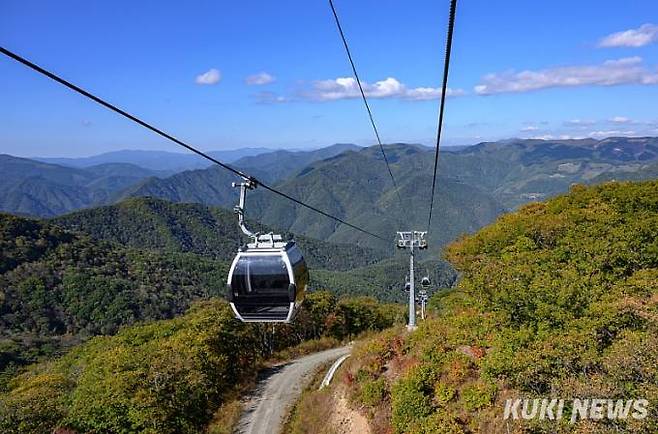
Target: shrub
{"points": [[437, 423], [36, 405], [373, 392], [478, 395], [443, 393], [409, 401]]}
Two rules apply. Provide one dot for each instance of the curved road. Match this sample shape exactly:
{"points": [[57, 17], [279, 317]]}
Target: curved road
{"points": [[278, 389]]}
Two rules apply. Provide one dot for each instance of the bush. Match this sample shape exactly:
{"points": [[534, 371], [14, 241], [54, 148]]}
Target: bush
{"points": [[443, 393], [437, 423], [373, 392], [410, 403], [35, 405], [478, 395], [164, 377]]}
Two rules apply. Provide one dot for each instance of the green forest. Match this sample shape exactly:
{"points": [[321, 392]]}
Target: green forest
{"points": [[170, 376], [92, 272], [556, 299], [58, 288], [559, 299]]}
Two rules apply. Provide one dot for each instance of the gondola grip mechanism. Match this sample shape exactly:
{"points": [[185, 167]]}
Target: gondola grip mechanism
{"points": [[247, 184]]}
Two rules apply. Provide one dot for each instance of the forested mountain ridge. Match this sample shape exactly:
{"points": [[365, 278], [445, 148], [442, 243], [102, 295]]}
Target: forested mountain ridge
{"points": [[41, 189], [345, 269], [212, 185], [50, 186], [556, 300], [94, 271], [356, 187], [58, 287], [530, 169], [155, 160], [149, 223], [281, 164], [476, 184]]}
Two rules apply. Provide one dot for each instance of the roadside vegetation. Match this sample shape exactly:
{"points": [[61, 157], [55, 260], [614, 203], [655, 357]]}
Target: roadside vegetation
{"points": [[173, 376], [92, 272], [557, 300]]}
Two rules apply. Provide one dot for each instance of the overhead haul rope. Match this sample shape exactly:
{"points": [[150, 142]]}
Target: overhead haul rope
{"points": [[446, 66], [365, 100], [148, 126]]}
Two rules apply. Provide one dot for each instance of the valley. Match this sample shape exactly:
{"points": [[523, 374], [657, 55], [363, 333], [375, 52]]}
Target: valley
{"points": [[138, 256], [479, 183]]}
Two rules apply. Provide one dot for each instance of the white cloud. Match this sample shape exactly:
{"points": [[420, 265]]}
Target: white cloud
{"points": [[620, 120], [271, 98], [611, 133], [259, 79], [529, 128], [212, 76], [556, 137], [347, 88], [579, 122], [643, 35], [628, 70]]}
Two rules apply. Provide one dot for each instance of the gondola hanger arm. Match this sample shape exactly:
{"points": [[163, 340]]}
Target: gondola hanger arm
{"points": [[246, 184]]}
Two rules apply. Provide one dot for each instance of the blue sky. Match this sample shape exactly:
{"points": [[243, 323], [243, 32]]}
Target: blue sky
{"points": [[224, 75]]}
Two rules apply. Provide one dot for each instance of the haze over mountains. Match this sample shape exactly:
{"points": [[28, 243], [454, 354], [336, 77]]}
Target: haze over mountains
{"points": [[475, 184], [156, 160]]}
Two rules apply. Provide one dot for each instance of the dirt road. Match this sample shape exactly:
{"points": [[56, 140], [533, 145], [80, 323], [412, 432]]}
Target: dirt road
{"points": [[278, 389]]}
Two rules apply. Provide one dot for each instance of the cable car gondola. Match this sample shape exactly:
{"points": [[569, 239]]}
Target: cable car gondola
{"points": [[268, 278]]}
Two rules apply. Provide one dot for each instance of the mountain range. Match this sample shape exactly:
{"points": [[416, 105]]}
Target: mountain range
{"points": [[41, 189], [155, 160], [475, 184], [44, 189], [155, 224]]}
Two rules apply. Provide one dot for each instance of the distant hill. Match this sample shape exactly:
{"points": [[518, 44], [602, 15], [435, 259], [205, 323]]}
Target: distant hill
{"points": [[356, 187], [35, 188], [212, 186], [155, 160], [282, 164], [148, 223], [523, 170], [623, 173], [476, 184]]}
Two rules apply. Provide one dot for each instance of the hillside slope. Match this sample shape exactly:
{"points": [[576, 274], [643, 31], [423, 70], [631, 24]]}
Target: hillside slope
{"points": [[40, 189], [172, 376], [59, 287], [149, 223], [143, 259], [356, 187], [557, 300], [212, 185], [476, 184], [282, 164]]}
